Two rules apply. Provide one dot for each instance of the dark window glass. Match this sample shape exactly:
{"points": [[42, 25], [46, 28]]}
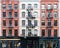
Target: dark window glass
{"points": [[4, 14], [16, 22], [35, 22], [23, 32], [4, 22], [29, 32], [49, 22], [10, 32], [10, 6], [43, 23], [49, 14], [29, 23], [23, 22], [10, 22], [43, 32], [49, 32], [16, 32], [4, 6], [10, 14], [55, 32], [23, 14], [16, 14], [15, 6], [55, 22], [23, 6], [4, 32]]}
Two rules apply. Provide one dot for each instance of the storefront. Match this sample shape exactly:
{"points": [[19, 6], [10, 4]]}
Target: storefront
{"points": [[29, 42], [9, 42]]}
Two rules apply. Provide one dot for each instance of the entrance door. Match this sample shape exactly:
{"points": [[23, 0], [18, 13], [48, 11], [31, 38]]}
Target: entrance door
{"points": [[42, 45], [49, 44]]}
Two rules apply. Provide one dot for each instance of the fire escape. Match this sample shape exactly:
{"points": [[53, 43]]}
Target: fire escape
{"points": [[10, 19], [30, 25], [49, 17]]}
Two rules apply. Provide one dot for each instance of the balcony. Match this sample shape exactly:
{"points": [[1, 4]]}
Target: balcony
{"points": [[49, 26], [10, 9], [49, 17], [31, 17], [10, 17], [30, 34], [10, 26], [35, 35], [49, 9], [31, 26], [29, 9]]}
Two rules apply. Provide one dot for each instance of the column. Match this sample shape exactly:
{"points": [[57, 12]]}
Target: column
{"points": [[7, 43], [13, 44]]}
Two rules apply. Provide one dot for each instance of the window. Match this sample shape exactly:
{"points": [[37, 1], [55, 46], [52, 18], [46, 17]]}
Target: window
{"points": [[29, 22], [4, 14], [10, 32], [35, 32], [23, 6], [16, 32], [49, 14], [29, 6], [23, 22], [55, 22], [29, 14], [10, 6], [15, 6], [49, 22], [49, 32], [49, 6], [4, 32], [43, 23], [55, 14], [16, 14], [4, 6], [16, 22], [55, 6], [43, 32], [43, 14], [55, 32], [4, 22], [43, 6], [23, 14], [35, 14], [23, 32], [9, 14], [29, 32], [10, 22], [35, 22], [35, 6]]}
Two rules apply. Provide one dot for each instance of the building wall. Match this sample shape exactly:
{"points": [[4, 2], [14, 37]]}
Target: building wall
{"points": [[7, 18], [46, 2], [25, 10]]}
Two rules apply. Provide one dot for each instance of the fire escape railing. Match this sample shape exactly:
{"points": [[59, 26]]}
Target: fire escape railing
{"points": [[30, 17]]}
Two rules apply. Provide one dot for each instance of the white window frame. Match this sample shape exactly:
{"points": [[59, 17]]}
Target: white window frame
{"points": [[43, 14], [43, 6], [55, 6]]}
